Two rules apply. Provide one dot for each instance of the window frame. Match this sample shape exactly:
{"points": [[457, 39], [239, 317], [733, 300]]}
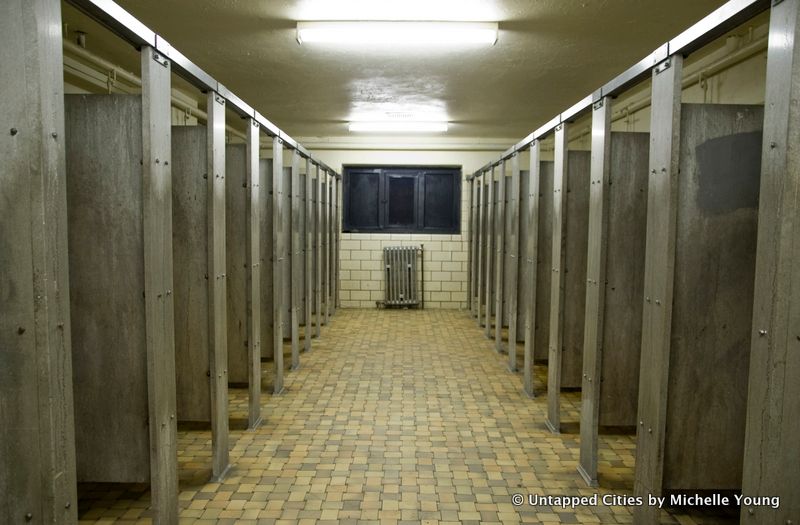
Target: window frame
{"points": [[419, 173]]}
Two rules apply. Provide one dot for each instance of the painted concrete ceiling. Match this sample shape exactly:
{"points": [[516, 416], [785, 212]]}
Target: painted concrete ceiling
{"points": [[549, 54]]}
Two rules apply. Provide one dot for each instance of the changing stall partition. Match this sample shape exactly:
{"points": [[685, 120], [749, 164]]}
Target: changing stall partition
{"points": [[525, 277], [121, 290], [275, 287], [570, 229], [201, 252], [615, 281], [699, 272]]}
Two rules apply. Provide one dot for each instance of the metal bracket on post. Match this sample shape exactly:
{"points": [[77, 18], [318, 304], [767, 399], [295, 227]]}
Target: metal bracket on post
{"points": [[160, 59], [219, 98], [663, 66]]}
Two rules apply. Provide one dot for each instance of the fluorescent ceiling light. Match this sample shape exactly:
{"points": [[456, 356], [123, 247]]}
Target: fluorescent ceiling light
{"points": [[399, 127], [398, 33]]}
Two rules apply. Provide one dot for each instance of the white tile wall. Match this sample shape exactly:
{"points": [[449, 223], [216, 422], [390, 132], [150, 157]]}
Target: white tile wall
{"points": [[445, 265]]}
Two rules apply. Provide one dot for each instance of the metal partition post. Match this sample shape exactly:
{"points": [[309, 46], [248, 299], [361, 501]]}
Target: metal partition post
{"points": [[217, 294], [38, 437], [278, 259], [531, 266], [595, 288], [327, 233], [500, 233], [296, 254], [334, 241], [489, 247], [557, 284], [309, 226], [470, 246], [318, 250], [160, 322], [513, 254], [662, 204], [339, 203], [773, 429], [479, 241], [253, 274]]}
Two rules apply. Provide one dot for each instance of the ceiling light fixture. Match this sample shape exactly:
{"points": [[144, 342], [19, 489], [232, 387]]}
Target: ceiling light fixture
{"points": [[398, 127], [398, 33]]}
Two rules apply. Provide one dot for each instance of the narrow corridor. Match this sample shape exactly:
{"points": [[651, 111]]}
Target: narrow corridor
{"points": [[394, 417]]}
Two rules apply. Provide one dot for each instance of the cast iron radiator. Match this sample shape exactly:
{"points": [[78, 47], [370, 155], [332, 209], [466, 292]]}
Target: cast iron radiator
{"points": [[402, 275]]}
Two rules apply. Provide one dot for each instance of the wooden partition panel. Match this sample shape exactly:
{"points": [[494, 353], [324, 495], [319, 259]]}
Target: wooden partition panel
{"points": [[236, 230], [576, 242], [286, 260], [568, 289], [267, 247], [624, 276], [302, 237], [544, 262], [106, 242], [190, 255], [523, 275], [720, 162]]}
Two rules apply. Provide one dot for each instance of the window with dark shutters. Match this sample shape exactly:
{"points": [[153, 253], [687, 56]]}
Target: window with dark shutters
{"points": [[402, 200]]}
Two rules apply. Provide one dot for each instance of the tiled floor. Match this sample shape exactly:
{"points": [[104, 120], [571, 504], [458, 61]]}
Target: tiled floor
{"points": [[395, 417]]}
